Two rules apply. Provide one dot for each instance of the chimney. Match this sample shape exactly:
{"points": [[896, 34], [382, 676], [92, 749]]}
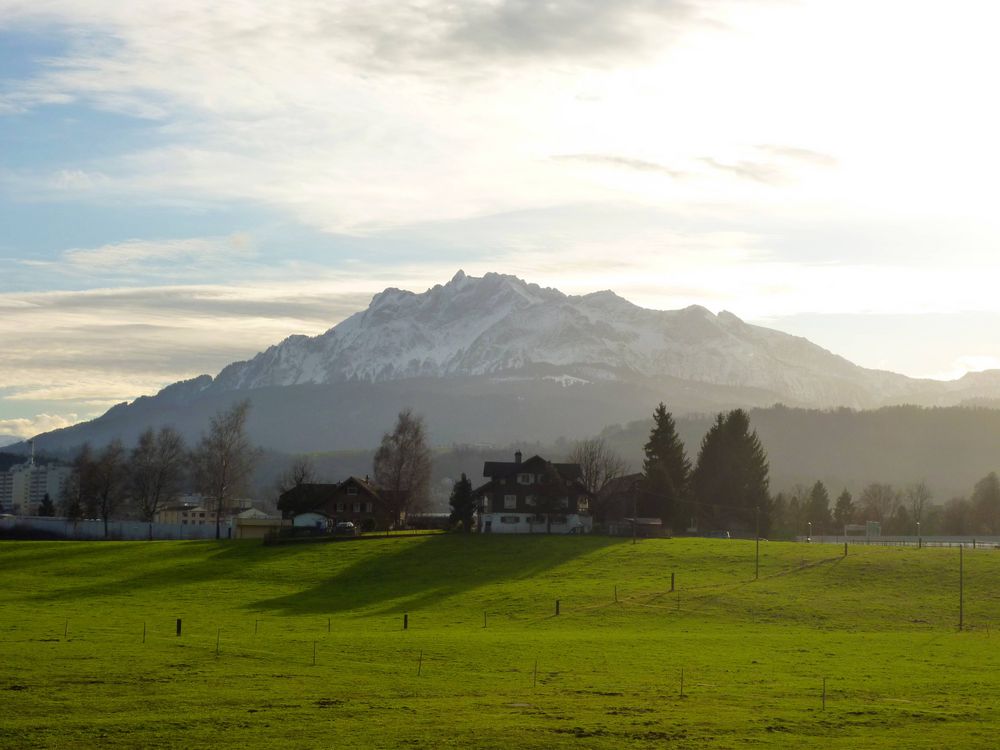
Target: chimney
{"points": [[517, 457]]}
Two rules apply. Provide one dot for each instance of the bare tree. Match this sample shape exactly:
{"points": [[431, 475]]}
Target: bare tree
{"points": [[80, 490], [878, 502], [402, 466], [110, 476], [599, 465], [224, 459], [156, 470], [918, 497], [299, 473]]}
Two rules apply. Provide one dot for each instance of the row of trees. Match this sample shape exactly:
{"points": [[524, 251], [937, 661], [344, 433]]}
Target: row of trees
{"points": [[902, 511], [726, 489], [159, 467]]}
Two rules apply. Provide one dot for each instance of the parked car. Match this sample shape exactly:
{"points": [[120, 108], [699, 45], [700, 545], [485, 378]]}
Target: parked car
{"points": [[346, 528]]}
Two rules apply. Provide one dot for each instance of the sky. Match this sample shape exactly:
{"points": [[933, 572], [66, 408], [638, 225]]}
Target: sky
{"points": [[183, 184]]}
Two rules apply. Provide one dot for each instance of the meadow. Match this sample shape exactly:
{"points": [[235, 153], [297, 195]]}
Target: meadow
{"points": [[304, 646]]}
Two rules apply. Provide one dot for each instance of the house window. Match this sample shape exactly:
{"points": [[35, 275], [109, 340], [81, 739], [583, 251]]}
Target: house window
{"points": [[369, 507], [564, 502], [524, 478], [509, 502], [510, 519], [582, 503], [340, 507], [352, 490], [202, 515], [357, 507], [530, 501], [184, 522]]}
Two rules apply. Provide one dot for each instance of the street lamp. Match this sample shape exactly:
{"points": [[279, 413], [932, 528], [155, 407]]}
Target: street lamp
{"points": [[919, 540], [810, 537]]}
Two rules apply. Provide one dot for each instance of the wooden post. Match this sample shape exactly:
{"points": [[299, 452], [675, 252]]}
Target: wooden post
{"points": [[406, 620], [178, 627], [557, 607], [534, 674], [961, 586], [756, 561], [845, 548], [673, 580], [143, 632], [66, 628], [327, 624], [218, 636], [824, 694], [255, 626], [616, 592], [682, 682], [420, 662], [484, 618], [314, 653]]}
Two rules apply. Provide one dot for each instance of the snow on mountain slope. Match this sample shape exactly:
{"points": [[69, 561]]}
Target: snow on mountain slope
{"points": [[499, 323]]}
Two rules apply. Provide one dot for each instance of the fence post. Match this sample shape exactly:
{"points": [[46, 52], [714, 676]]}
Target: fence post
{"points": [[534, 674], [420, 662], [673, 577], [218, 637], [314, 653], [178, 627], [961, 586], [557, 607], [143, 632], [824, 694]]}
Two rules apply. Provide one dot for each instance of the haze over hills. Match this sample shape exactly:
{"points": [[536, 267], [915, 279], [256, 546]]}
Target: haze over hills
{"points": [[497, 359]]}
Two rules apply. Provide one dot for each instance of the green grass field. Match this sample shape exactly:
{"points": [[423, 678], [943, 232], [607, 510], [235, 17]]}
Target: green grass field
{"points": [[879, 625]]}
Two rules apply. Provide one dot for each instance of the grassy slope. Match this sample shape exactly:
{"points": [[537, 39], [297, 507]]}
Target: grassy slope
{"points": [[879, 625]]}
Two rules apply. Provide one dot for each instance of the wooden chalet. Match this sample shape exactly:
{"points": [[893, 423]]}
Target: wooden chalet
{"points": [[515, 498], [355, 499]]}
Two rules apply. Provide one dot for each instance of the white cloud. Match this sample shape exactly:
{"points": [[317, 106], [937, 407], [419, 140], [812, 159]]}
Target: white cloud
{"points": [[26, 427], [128, 255]]}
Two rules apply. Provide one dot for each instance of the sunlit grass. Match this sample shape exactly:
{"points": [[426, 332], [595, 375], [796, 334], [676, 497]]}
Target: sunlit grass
{"points": [[880, 625]]}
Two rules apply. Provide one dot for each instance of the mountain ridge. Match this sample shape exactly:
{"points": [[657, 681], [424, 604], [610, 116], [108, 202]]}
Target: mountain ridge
{"points": [[497, 358]]}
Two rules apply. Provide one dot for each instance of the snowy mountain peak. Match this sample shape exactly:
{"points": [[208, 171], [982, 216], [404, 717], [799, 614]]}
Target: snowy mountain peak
{"points": [[500, 324]]}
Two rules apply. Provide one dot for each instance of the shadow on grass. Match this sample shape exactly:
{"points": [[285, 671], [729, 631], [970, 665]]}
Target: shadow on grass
{"points": [[129, 567], [422, 572]]}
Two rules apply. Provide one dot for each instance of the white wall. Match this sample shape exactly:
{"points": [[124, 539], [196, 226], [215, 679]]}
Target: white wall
{"points": [[128, 530]]}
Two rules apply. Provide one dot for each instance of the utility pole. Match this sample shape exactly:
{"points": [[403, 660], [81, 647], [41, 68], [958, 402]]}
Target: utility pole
{"points": [[635, 513]]}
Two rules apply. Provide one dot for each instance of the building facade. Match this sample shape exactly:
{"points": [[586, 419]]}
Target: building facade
{"points": [[533, 497], [24, 487], [355, 499]]}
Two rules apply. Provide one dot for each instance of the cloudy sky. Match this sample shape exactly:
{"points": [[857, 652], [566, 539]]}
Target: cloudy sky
{"points": [[184, 183]]}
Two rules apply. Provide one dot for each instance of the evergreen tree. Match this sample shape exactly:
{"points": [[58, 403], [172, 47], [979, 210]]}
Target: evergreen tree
{"points": [[819, 509], [47, 507], [730, 482], [666, 469], [986, 504], [843, 511], [463, 504]]}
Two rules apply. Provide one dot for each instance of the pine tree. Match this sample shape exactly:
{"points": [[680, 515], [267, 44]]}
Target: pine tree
{"points": [[666, 469], [47, 507], [730, 482], [819, 508], [843, 511], [463, 504], [986, 504]]}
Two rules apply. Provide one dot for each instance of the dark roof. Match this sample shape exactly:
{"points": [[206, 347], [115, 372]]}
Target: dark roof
{"points": [[500, 469]]}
